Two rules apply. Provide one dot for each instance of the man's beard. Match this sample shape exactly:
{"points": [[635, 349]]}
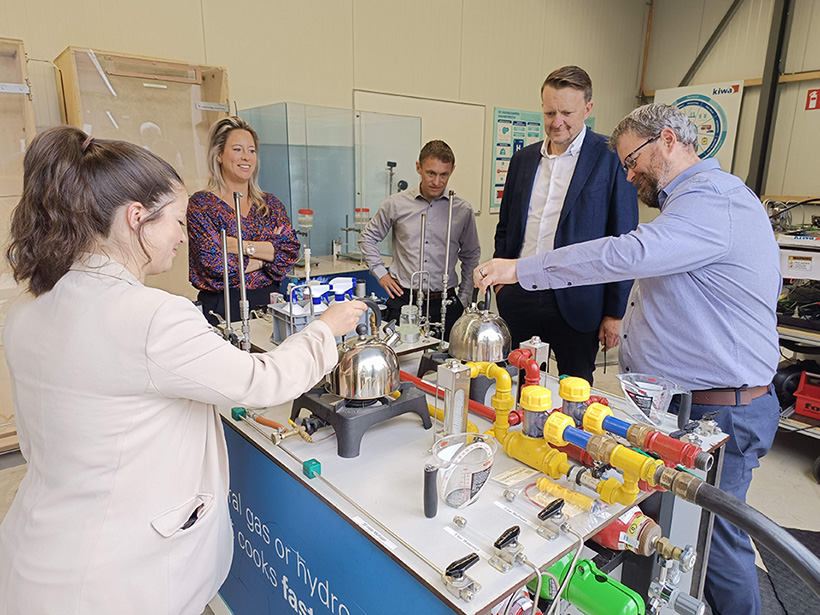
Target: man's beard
{"points": [[655, 179]]}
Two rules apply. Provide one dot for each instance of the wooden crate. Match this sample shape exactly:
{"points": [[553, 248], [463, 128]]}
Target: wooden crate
{"points": [[16, 132], [164, 105]]}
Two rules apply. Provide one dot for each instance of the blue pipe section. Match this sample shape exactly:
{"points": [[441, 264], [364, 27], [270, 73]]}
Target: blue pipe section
{"points": [[616, 426], [578, 437]]}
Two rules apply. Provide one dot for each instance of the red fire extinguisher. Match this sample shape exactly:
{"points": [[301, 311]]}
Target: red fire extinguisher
{"points": [[632, 531]]}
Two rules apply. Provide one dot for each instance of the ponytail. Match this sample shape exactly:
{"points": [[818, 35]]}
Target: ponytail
{"points": [[72, 188]]}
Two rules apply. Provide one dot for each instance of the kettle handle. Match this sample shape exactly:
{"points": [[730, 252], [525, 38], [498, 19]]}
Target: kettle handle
{"points": [[375, 309], [485, 305]]}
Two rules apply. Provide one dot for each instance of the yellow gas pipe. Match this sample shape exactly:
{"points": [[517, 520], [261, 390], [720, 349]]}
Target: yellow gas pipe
{"points": [[502, 400], [635, 466]]}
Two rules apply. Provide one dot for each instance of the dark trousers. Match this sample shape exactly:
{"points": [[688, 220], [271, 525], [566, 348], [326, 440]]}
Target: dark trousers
{"points": [[454, 309], [215, 302], [536, 312], [731, 576]]}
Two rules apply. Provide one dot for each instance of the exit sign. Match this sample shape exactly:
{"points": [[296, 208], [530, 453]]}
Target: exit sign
{"points": [[813, 100]]}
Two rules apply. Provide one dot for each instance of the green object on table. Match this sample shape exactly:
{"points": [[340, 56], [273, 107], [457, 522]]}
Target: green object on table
{"points": [[312, 468], [591, 591], [238, 413]]}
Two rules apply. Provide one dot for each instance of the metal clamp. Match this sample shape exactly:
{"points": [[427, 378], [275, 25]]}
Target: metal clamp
{"points": [[551, 519], [457, 582]]}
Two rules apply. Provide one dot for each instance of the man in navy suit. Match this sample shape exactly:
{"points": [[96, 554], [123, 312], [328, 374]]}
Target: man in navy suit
{"points": [[566, 189]]}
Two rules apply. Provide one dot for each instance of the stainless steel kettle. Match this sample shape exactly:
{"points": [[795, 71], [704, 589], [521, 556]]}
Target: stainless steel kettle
{"points": [[480, 335], [368, 367]]}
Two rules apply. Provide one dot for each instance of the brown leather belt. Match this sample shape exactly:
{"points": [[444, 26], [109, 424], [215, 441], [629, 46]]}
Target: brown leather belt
{"points": [[728, 397], [435, 295]]}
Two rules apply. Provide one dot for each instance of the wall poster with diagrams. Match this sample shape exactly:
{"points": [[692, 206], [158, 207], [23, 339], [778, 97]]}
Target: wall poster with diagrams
{"points": [[514, 130]]}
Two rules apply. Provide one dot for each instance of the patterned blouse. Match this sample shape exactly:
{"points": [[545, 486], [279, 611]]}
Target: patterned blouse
{"points": [[208, 215]]}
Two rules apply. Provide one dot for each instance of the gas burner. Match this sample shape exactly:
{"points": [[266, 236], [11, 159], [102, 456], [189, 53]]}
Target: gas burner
{"points": [[351, 418], [361, 403]]}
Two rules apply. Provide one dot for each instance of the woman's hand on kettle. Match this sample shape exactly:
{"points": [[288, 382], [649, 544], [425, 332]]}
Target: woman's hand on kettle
{"points": [[495, 271], [342, 317]]}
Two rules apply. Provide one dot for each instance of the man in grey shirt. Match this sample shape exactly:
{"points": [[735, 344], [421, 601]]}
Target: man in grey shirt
{"points": [[702, 311], [402, 213]]}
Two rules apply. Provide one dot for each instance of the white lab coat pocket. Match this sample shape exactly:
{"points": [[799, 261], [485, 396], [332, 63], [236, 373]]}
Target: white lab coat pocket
{"points": [[171, 521]]}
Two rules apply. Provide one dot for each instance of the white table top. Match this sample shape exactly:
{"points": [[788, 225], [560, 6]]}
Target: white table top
{"points": [[386, 480]]}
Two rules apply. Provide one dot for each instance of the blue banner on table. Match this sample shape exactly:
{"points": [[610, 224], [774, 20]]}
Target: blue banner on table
{"points": [[293, 553]]}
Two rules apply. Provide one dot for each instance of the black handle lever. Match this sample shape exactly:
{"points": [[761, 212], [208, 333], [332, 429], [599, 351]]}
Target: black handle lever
{"points": [[551, 509], [509, 537], [457, 568]]}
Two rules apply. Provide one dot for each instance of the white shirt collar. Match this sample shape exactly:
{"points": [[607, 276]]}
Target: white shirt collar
{"points": [[573, 149]]}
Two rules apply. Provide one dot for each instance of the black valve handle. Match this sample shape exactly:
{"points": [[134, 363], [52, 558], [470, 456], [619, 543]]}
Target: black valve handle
{"points": [[509, 537], [457, 568], [551, 509]]}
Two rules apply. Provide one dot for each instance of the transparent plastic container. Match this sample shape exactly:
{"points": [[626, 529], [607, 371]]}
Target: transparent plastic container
{"points": [[650, 396], [362, 216], [464, 463], [305, 219]]}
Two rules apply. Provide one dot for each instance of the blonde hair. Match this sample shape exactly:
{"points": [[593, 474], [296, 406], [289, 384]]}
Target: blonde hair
{"points": [[217, 137]]}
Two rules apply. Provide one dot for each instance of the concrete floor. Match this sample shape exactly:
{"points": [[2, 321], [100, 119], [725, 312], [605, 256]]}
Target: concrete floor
{"points": [[783, 487]]}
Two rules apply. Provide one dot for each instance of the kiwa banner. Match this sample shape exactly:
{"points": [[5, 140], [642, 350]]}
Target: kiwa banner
{"points": [[714, 110]]}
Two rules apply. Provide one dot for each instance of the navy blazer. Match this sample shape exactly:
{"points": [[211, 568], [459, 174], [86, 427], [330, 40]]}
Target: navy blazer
{"points": [[599, 203]]}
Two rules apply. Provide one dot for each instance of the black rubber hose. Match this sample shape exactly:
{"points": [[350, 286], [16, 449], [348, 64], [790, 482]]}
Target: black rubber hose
{"points": [[786, 547]]}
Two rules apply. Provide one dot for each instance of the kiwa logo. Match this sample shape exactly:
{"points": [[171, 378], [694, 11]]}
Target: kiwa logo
{"points": [[732, 89]]}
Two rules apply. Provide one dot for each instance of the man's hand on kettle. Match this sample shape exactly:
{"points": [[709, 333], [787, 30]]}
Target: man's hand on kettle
{"points": [[342, 317], [495, 271]]}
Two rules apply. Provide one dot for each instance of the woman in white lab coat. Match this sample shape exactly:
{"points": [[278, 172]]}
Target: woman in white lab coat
{"points": [[123, 508]]}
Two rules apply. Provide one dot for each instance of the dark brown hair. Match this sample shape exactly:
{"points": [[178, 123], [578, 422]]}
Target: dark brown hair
{"points": [[72, 188], [570, 77], [439, 150]]}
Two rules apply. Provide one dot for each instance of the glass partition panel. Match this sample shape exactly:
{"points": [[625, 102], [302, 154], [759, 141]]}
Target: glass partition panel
{"points": [[333, 162]]}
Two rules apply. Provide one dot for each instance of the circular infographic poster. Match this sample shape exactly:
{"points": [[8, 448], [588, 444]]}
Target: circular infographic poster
{"points": [[709, 118]]}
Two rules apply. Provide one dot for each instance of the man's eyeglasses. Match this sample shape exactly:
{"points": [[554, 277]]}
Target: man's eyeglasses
{"points": [[631, 159]]}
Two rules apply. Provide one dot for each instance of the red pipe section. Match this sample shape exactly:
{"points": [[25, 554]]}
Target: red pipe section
{"points": [[522, 359], [672, 451], [475, 407]]}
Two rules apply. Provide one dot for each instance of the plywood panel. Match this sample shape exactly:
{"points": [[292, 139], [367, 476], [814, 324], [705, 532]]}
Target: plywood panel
{"points": [[8, 292], [793, 167], [606, 39], [408, 48], [292, 52], [155, 28], [461, 125], [674, 42], [502, 47]]}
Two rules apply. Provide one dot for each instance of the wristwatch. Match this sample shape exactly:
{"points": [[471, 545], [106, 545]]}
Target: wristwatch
{"points": [[250, 249]]}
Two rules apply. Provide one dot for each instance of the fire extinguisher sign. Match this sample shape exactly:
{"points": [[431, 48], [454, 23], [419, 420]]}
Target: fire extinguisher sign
{"points": [[813, 100]]}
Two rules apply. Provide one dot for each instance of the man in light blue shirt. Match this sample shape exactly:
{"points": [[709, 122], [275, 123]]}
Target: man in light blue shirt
{"points": [[702, 310]]}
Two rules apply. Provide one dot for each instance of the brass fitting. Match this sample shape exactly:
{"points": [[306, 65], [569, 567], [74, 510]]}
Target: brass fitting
{"points": [[682, 484], [637, 433]]}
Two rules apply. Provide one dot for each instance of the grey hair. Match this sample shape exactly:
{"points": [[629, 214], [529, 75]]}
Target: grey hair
{"points": [[649, 120]]}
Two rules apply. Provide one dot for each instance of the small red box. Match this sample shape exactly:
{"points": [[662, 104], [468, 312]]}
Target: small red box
{"points": [[808, 396]]}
